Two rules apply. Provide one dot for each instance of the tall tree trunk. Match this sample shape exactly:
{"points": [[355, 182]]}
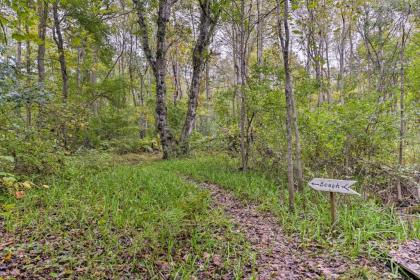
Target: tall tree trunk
{"points": [[28, 52], [143, 118], [19, 51], [299, 163], [80, 57], [58, 38], [158, 65], [260, 46], [42, 27], [176, 76], [341, 49], [402, 111], [208, 98], [131, 70], [291, 118], [93, 80], [175, 70], [207, 84], [61, 56], [28, 72], [242, 96], [327, 59], [208, 21], [318, 72]]}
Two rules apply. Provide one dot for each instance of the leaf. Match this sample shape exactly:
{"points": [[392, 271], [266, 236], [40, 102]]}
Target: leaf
{"points": [[9, 181], [19, 194], [8, 207], [8, 257], [7, 158], [27, 184], [217, 260], [18, 36]]}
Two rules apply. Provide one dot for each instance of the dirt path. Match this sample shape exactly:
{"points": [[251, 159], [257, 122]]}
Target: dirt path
{"points": [[280, 256]]}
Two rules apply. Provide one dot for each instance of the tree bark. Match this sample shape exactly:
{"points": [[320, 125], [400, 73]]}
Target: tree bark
{"points": [[28, 52], [19, 52], [327, 59], [61, 56], [175, 71], [28, 72], [177, 82], [158, 65], [58, 38], [340, 82], [242, 82], [208, 21], [80, 57], [284, 40], [260, 46], [143, 118], [402, 110], [42, 27]]}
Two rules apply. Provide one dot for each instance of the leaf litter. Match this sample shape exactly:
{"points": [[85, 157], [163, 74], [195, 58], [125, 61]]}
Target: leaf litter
{"points": [[281, 256]]}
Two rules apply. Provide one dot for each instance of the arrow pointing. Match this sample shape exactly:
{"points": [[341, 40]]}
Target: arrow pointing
{"points": [[333, 185]]}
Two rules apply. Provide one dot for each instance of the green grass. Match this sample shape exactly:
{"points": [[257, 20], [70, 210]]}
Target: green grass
{"points": [[360, 221], [122, 217], [124, 220]]}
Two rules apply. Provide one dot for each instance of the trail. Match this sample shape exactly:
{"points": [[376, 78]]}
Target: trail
{"points": [[280, 256]]}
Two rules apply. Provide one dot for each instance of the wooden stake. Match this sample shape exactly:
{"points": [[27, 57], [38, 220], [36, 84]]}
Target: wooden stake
{"points": [[333, 209]]}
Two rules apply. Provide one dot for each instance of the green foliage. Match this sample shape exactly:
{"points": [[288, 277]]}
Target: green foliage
{"points": [[34, 152], [354, 132], [126, 220], [134, 145], [360, 221], [113, 123]]}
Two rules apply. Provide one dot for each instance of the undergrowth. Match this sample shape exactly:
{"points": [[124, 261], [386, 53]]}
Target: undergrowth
{"points": [[119, 216], [362, 223], [100, 222]]}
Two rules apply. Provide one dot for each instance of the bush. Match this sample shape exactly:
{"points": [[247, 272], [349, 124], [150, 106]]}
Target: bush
{"points": [[133, 145], [30, 153]]}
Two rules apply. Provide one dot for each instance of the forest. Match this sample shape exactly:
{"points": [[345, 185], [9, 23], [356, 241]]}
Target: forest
{"points": [[209, 139]]}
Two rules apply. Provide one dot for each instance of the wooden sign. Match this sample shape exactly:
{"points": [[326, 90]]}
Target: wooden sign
{"points": [[333, 186]]}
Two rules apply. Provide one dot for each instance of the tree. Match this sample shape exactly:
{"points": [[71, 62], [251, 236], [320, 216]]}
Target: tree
{"points": [[157, 62], [42, 28], [404, 38], [209, 15], [58, 38], [291, 116]]}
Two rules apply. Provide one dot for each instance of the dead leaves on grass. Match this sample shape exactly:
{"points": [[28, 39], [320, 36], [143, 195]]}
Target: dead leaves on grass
{"points": [[15, 187]]}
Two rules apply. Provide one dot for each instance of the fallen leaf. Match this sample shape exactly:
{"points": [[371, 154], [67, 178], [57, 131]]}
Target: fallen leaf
{"points": [[15, 272], [27, 185], [8, 257], [19, 194], [217, 260]]}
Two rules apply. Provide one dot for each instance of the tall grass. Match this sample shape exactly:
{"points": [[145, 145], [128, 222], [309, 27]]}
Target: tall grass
{"points": [[125, 220], [361, 222]]}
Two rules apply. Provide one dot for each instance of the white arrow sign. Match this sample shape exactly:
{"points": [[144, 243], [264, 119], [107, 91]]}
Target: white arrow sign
{"points": [[332, 185]]}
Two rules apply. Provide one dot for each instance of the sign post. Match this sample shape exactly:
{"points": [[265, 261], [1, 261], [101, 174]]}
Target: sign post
{"points": [[333, 186], [333, 208]]}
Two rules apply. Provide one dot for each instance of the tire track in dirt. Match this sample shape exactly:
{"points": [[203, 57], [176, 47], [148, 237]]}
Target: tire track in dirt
{"points": [[280, 256]]}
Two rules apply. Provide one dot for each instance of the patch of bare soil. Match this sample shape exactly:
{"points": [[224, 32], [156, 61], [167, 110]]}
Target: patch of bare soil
{"points": [[280, 256]]}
